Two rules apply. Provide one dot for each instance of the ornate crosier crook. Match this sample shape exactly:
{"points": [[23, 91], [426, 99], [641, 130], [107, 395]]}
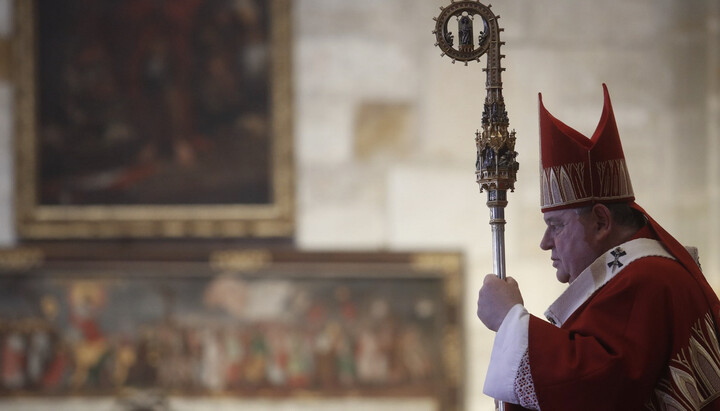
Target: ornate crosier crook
{"points": [[495, 166]]}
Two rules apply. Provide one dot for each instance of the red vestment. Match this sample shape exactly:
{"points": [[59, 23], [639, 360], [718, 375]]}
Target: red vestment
{"points": [[646, 340]]}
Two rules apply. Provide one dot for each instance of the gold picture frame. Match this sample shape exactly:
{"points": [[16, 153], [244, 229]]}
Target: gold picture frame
{"points": [[179, 154], [201, 322]]}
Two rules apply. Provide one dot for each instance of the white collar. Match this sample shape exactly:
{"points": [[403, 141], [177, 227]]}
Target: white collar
{"points": [[602, 270]]}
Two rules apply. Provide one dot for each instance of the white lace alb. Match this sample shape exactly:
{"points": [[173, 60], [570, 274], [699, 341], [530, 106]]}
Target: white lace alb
{"points": [[523, 385]]}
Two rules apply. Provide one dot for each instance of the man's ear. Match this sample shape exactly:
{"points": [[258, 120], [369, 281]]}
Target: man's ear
{"points": [[602, 221]]}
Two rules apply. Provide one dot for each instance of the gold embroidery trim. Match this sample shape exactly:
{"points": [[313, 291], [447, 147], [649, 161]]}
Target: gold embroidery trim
{"points": [[694, 374]]}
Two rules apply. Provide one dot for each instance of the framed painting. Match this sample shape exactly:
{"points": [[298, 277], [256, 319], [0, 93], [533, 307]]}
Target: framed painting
{"points": [[139, 324], [153, 119]]}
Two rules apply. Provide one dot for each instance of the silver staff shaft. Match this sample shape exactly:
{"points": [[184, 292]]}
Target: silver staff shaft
{"points": [[497, 200]]}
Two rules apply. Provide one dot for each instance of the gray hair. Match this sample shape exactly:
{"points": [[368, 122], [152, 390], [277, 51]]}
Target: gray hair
{"points": [[622, 214]]}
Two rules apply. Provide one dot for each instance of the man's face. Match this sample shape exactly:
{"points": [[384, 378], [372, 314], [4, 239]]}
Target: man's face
{"points": [[569, 237]]}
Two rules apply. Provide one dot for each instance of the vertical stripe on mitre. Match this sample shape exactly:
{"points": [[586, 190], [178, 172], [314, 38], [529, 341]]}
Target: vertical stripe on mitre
{"points": [[577, 177], [567, 186], [613, 179], [555, 191], [545, 199], [626, 184]]}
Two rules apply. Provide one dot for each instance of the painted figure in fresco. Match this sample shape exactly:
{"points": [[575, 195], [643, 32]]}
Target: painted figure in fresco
{"points": [[58, 372], [413, 355], [278, 347], [90, 348], [372, 362], [14, 350], [301, 364], [38, 354]]}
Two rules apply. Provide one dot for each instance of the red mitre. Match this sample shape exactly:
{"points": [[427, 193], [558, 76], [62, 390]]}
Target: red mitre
{"points": [[577, 171]]}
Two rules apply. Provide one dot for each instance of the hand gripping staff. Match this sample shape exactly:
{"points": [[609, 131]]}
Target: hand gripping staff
{"points": [[496, 167]]}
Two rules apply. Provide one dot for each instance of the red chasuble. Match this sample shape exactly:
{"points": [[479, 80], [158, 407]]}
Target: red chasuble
{"points": [[646, 340], [612, 353]]}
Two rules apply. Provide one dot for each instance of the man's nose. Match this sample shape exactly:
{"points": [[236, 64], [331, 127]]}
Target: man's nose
{"points": [[546, 242]]}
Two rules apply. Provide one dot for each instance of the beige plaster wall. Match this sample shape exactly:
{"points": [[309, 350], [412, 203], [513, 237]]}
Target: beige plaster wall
{"points": [[384, 128]]}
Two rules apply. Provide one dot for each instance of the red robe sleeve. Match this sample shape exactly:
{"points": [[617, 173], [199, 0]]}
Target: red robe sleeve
{"points": [[613, 350]]}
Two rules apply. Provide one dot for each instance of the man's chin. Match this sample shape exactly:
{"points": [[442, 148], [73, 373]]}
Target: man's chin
{"points": [[563, 277]]}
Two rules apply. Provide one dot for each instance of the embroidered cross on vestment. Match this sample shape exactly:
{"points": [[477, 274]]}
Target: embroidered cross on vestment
{"points": [[617, 253]]}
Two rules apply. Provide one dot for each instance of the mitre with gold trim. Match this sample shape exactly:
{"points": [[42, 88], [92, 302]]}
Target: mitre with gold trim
{"points": [[577, 171]]}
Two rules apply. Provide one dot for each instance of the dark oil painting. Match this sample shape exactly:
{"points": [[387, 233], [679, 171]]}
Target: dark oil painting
{"points": [[153, 102]]}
